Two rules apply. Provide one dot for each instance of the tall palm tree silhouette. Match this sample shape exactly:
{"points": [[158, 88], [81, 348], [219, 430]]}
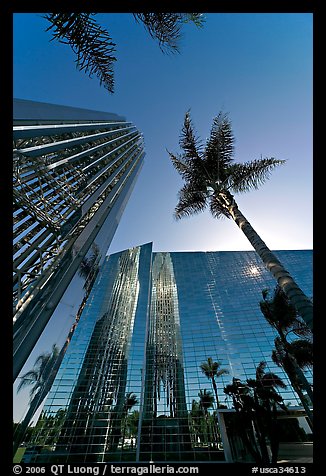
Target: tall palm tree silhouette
{"points": [[211, 177]]}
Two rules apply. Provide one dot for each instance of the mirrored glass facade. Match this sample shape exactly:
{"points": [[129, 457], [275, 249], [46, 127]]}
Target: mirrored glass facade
{"points": [[130, 386], [73, 172]]}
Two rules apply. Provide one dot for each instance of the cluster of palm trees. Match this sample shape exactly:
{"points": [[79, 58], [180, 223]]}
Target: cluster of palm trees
{"points": [[257, 401]]}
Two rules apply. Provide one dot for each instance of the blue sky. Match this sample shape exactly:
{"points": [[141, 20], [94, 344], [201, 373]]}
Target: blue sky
{"points": [[256, 67]]}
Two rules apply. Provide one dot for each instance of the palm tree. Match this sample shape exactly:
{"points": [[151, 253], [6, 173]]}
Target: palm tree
{"points": [[206, 401], [295, 356], [130, 401], [256, 401], [211, 176], [94, 47], [40, 378], [196, 418], [266, 401], [244, 407], [89, 268], [292, 356], [212, 370]]}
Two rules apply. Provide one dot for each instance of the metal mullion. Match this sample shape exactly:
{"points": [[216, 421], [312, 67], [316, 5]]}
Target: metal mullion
{"points": [[35, 175], [25, 231], [42, 259], [99, 200], [127, 173], [135, 138], [96, 195], [109, 165], [35, 245], [56, 129], [87, 152], [24, 242], [38, 150], [22, 224]]}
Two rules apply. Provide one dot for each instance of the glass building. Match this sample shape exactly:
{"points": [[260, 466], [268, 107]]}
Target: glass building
{"points": [[73, 171], [130, 386]]}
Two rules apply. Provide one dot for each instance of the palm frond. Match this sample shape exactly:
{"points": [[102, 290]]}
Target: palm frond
{"points": [[181, 166], [220, 146], [218, 210], [272, 380], [197, 18], [27, 379], [250, 175], [278, 310], [190, 202], [166, 27], [188, 141], [302, 350], [301, 329], [222, 372], [92, 44], [260, 370]]}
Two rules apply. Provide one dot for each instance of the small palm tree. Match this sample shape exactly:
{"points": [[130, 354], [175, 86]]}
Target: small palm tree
{"points": [[94, 48], [206, 400], [130, 401], [212, 370], [211, 177]]}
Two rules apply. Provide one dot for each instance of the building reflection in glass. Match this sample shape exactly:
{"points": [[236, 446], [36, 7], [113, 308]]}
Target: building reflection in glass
{"points": [[130, 387], [98, 414], [165, 431]]}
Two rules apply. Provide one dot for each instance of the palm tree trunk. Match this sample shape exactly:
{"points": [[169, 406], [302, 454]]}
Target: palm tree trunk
{"points": [[297, 389], [298, 371], [217, 407], [297, 297], [297, 377], [250, 445], [215, 391]]}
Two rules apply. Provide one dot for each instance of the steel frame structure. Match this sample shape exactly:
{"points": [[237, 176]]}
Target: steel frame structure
{"points": [[67, 176]]}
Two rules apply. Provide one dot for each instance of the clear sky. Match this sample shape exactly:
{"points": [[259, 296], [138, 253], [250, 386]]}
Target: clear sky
{"points": [[256, 67]]}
